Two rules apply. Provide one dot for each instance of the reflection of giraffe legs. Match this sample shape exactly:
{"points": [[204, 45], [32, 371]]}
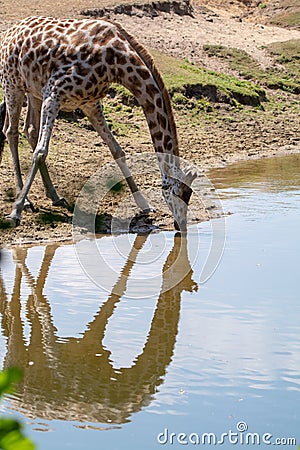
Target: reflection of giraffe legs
{"points": [[38, 285], [43, 330], [97, 327], [12, 325]]}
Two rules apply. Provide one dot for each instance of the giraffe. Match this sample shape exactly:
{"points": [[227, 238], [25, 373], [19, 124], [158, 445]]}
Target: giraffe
{"points": [[64, 64]]}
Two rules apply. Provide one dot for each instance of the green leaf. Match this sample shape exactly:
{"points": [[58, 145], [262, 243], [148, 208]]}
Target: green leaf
{"points": [[11, 436], [8, 378]]}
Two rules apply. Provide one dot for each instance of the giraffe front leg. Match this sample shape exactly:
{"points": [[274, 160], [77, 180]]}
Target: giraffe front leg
{"points": [[15, 216], [31, 129], [97, 119], [49, 111], [10, 114]]}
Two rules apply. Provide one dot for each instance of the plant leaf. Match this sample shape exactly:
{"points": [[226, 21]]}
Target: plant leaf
{"points": [[8, 378]]}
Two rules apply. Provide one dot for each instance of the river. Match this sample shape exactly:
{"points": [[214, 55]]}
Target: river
{"points": [[171, 341]]}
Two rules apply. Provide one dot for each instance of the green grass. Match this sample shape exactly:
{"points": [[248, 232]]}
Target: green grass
{"points": [[285, 78], [288, 54], [238, 60], [192, 81], [50, 218], [4, 224], [288, 19]]}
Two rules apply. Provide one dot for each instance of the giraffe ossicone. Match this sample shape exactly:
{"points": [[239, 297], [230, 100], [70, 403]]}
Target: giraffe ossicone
{"points": [[64, 64]]}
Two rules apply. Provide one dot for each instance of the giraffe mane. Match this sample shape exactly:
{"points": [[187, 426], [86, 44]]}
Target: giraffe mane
{"points": [[149, 62]]}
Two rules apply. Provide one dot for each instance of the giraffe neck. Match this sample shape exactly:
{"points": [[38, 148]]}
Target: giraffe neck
{"points": [[142, 78]]}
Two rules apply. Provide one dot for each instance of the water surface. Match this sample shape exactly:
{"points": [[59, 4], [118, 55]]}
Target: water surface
{"points": [[154, 351]]}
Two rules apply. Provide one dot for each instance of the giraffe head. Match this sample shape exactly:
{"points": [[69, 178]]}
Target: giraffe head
{"points": [[177, 191]]}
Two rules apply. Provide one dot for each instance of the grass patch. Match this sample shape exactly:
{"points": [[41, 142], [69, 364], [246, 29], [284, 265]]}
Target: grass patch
{"points": [[288, 19], [238, 60], [192, 81], [288, 54], [181, 102], [118, 111], [50, 218], [286, 79], [4, 224]]}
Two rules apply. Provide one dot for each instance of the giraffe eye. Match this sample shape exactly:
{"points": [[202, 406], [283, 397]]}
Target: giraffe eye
{"points": [[175, 191], [166, 185]]}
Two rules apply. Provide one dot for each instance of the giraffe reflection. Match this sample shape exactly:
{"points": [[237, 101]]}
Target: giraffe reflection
{"points": [[67, 380]]}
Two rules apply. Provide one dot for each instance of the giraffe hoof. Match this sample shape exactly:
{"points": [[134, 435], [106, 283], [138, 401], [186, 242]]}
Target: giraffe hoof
{"points": [[28, 206], [62, 202], [148, 210]]}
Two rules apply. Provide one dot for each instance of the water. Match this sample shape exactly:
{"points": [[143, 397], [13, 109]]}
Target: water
{"points": [[150, 352]]}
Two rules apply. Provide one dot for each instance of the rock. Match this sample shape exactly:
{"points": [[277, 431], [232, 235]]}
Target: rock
{"points": [[180, 7]]}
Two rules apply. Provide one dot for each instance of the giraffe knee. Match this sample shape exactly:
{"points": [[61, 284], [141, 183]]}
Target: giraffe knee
{"points": [[119, 154], [11, 133], [39, 156], [32, 135]]}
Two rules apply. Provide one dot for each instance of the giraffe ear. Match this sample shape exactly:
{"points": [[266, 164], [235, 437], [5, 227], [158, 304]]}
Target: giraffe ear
{"points": [[189, 175], [164, 163]]}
